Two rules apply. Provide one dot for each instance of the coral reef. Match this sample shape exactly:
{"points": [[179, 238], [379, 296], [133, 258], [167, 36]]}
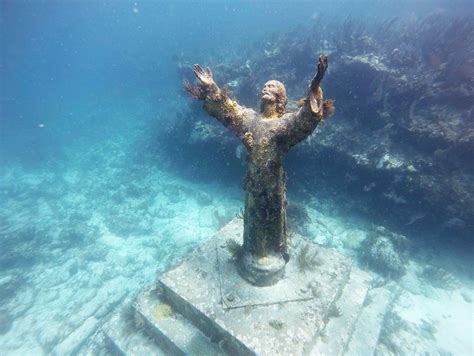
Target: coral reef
{"points": [[385, 252], [404, 130], [440, 278]]}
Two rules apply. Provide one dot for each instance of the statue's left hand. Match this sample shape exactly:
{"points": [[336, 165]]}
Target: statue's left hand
{"points": [[322, 67], [323, 64], [204, 76]]}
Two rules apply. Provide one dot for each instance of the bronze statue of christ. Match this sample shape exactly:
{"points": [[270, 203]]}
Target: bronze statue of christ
{"points": [[267, 136]]}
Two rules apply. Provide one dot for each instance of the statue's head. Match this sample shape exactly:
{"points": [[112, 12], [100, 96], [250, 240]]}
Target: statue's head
{"points": [[273, 99]]}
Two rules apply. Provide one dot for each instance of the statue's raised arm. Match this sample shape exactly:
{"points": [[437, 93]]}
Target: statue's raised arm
{"points": [[217, 101], [314, 109]]}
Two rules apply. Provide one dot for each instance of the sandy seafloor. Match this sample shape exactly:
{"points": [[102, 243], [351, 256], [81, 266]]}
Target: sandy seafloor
{"points": [[91, 233]]}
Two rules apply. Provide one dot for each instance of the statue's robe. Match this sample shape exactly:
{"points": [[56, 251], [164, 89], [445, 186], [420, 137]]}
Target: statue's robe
{"points": [[267, 140]]}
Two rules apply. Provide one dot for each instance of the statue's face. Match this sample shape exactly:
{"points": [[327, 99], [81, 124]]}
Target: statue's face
{"points": [[273, 99], [270, 91]]}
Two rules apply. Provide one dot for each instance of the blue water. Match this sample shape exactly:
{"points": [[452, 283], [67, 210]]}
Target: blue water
{"points": [[105, 183]]}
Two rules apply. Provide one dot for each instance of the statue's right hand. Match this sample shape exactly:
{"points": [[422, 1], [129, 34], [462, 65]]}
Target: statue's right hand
{"points": [[204, 76]]}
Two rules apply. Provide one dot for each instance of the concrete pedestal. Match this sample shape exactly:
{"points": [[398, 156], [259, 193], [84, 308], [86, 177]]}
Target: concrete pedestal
{"points": [[203, 306]]}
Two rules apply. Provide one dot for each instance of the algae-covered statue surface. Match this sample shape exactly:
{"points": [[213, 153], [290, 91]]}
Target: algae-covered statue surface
{"points": [[268, 136]]}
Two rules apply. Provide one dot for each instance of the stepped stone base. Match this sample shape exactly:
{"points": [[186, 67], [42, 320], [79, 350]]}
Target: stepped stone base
{"points": [[203, 306], [174, 333], [285, 318]]}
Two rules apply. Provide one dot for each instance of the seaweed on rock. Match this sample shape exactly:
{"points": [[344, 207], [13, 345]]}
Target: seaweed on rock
{"points": [[308, 258], [234, 248]]}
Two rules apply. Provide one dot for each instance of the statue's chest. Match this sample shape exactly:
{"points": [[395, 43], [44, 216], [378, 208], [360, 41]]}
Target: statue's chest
{"points": [[265, 151], [264, 142], [264, 131]]}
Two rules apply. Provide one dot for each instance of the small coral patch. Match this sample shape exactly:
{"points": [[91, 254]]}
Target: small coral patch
{"points": [[162, 311], [248, 139]]}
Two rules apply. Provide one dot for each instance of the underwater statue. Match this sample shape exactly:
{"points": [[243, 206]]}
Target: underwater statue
{"points": [[268, 136]]}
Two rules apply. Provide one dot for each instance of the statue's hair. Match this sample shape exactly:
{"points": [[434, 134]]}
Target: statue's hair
{"points": [[281, 98]]}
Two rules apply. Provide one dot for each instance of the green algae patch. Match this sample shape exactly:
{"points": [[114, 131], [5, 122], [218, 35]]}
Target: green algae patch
{"points": [[163, 311]]}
